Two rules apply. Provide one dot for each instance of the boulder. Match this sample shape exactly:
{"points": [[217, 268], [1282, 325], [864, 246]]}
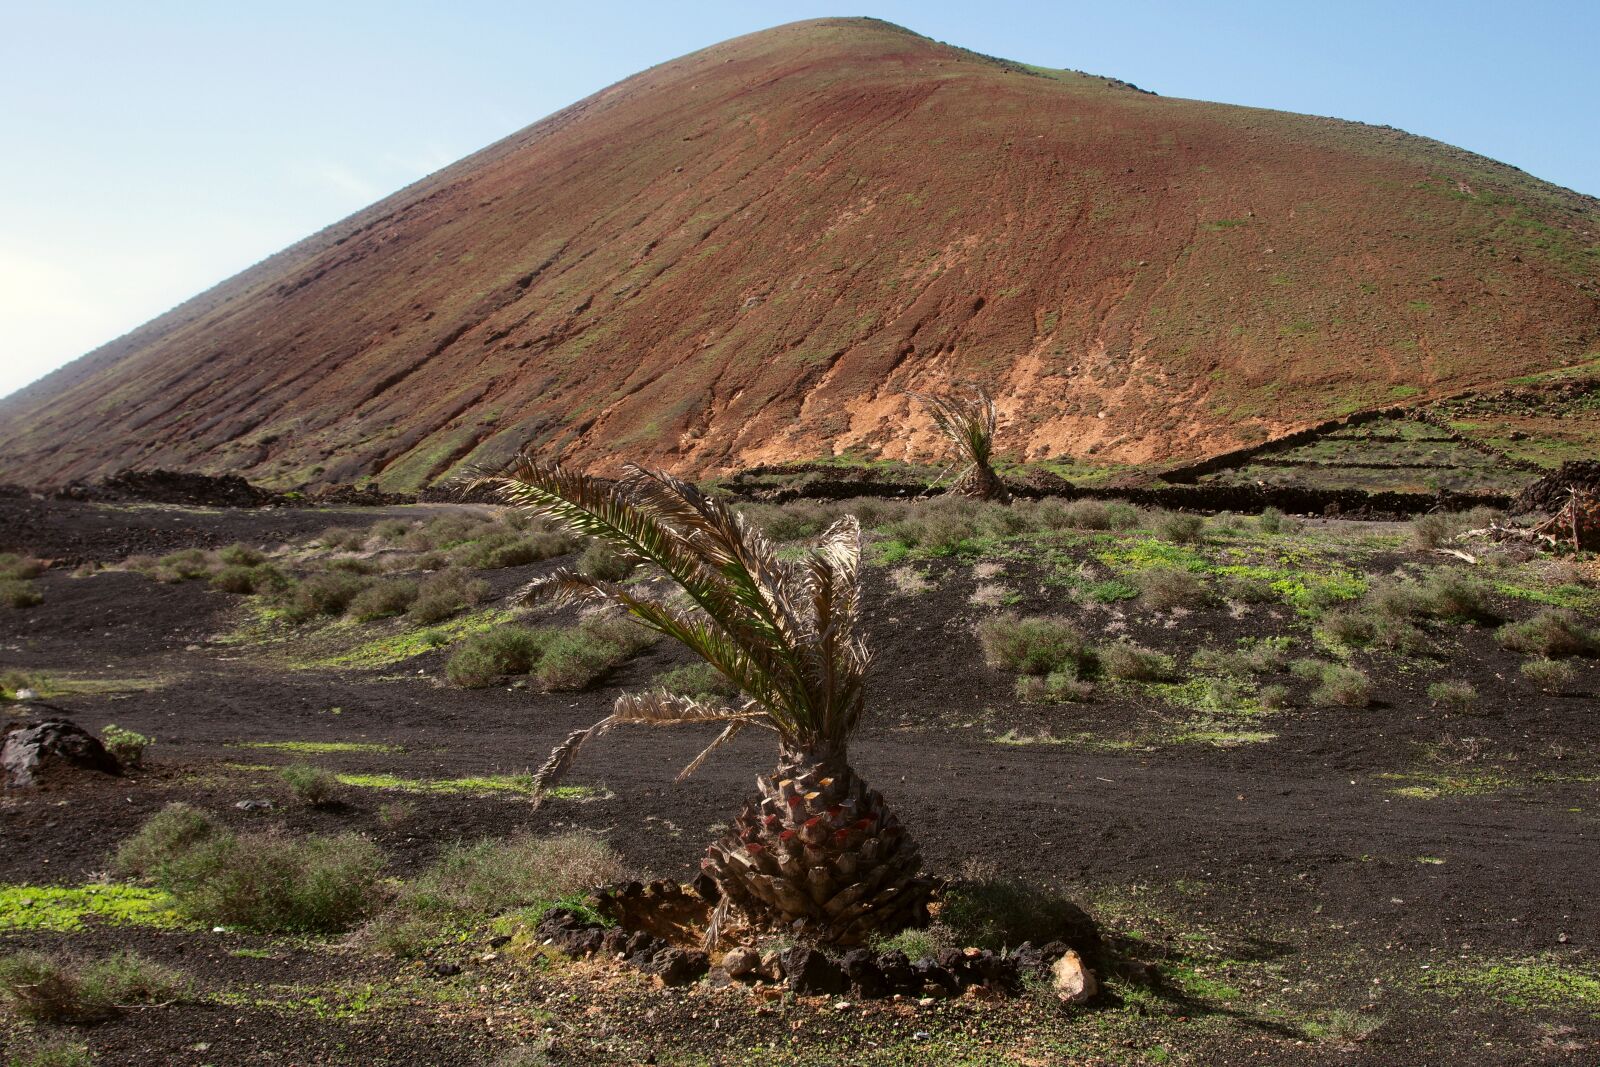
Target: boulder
{"points": [[741, 961], [861, 967], [676, 966], [812, 973], [1073, 982], [51, 747]]}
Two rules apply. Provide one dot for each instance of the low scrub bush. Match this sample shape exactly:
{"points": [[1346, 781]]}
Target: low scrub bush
{"points": [[1165, 588], [50, 989], [507, 548], [1178, 527], [19, 594], [1245, 590], [1550, 675], [1351, 628], [1554, 633], [1260, 655], [128, 746], [391, 596], [699, 680], [1342, 686], [1036, 646], [267, 882], [19, 568], [354, 565], [246, 579], [342, 537], [1458, 696], [1438, 527], [444, 594], [560, 659], [390, 531], [312, 786], [1057, 687], [240, 554], [1134, 663], [471, 882], [1273, 697], [602, 562], [328, 595]]}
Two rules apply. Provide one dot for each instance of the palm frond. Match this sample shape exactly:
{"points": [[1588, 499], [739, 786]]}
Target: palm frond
{"points": [[784, 633]]}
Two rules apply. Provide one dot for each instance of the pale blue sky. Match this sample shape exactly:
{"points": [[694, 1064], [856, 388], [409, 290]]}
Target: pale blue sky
{"points": [[149, 149]]}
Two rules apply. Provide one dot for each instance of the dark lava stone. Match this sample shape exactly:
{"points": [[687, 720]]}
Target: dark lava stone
{"points": [[861, 967], [811, 973], [897, 973]]}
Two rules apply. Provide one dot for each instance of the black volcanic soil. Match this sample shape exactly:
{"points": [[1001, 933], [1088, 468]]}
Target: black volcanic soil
{"points": [[1291, 859]]}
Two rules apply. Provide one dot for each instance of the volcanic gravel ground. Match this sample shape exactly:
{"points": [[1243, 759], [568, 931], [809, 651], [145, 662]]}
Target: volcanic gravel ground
{"points": [[1293, 850]]}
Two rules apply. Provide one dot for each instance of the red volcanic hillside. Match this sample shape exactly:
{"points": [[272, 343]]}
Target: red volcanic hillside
{"points": [[749, 253]]}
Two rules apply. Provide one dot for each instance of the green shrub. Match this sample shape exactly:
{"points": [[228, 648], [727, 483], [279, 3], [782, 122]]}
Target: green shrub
{"points": [[1554, 633], [1178, 527], [19, 568], [267, 882], [1458, 696], [240, 554], [1350, 628], [170, 832], [444, 594], [391, 596], [1135, 664], [920, 943], [327, 594], [390, 530], [50, 989], [1453, 597], [1270, 521], [245, 579], [1551, 675], [1343, 686], [1036, 645], [127, 746], [184, 565], [312, 786], [573, 658], [508, 549], [353, 565], [484, 658], [698, 680], [1057, 687], [1246, 590], [604, 563], [496, 875], [18, 594], [1165, 588], [342, 537], [1273, 697]]}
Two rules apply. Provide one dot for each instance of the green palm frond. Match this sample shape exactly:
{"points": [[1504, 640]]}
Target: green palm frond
{"points": [[784, 633]]}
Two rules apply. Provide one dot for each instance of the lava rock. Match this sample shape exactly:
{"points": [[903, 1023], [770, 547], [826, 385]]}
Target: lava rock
{"points": [[741, 961], [49, 747], [866, 977], [927, 973], [812, 973], [706, 887], [676, 966], [898, 976], [614, 940]]}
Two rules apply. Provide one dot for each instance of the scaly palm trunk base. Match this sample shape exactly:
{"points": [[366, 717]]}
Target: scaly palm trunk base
{"points": [[820, 853]]}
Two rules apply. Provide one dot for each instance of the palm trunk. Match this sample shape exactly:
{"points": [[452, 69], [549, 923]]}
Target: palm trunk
{"points": [[819, 852], [982, 483]]}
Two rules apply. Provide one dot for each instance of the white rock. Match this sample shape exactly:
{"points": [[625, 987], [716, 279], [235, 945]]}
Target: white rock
{"points": [[1074, 983]]}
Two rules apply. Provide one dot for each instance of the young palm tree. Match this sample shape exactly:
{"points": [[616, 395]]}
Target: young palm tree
{"points": [[817, 849], [969, 422]]}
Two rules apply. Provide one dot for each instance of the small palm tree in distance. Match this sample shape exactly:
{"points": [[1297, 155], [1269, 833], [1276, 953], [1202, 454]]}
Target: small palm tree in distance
{"points": [[969, 422]]}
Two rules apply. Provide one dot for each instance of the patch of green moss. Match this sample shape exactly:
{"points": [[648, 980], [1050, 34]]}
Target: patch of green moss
{"points": [[318, 747], [395, 648], [66, 908], [1432, 785], [486, 785], [1532, 983]]}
